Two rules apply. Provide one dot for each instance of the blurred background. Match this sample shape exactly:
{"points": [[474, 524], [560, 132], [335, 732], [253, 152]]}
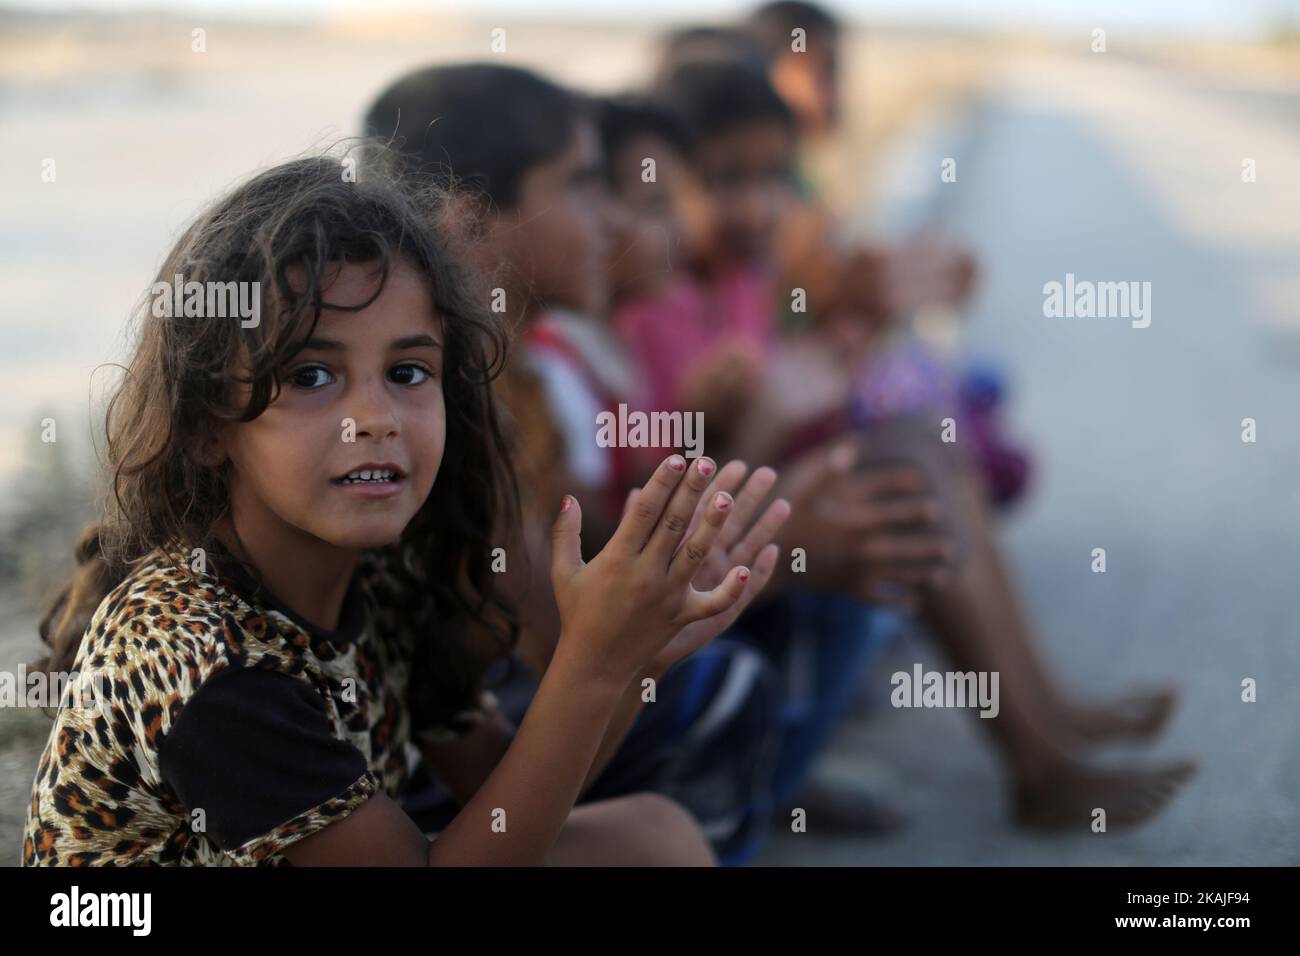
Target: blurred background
{"points": [[1126, 165]]}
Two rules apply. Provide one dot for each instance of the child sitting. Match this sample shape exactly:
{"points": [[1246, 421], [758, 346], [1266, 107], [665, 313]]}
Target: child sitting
{"points": [[290, 593]]}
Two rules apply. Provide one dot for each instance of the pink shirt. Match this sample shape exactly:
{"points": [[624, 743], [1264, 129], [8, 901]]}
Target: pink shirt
{"points": [[671, 334]]}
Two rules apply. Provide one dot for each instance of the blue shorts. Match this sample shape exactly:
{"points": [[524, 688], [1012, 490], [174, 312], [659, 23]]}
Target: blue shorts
{"points": [[822, 646], [708, 741]]}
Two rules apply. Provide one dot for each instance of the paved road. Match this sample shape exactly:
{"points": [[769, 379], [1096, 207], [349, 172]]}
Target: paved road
{"points": [[1117, 172]]}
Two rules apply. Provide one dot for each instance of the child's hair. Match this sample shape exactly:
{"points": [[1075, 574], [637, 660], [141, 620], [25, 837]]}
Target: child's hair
{"points": [[713, 98], [479, 128], [302, 217], [772, 24], [708, 44], [476, 125], [623, 118]]}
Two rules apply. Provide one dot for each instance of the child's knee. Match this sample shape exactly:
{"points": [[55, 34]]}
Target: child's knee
{"points": [[668, 835]]}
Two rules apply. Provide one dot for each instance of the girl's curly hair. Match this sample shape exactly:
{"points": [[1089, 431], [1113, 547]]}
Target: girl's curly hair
{"points": [[305, 216]]}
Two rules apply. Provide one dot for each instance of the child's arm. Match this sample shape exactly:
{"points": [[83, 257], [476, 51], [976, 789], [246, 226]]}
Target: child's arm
{"points": [[620, 611], [515, 816], [463, 764]]}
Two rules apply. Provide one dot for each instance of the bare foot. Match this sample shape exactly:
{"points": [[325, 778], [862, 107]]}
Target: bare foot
{"points": [[1068, 798], [1135, 716]]}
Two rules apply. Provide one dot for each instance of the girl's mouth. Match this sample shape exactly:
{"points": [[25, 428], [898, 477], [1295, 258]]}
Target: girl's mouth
{"points": [[375, 480], [368, 476]]}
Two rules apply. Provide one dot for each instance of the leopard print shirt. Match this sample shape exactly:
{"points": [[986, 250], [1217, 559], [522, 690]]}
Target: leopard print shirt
{"points": [[99, 797]]}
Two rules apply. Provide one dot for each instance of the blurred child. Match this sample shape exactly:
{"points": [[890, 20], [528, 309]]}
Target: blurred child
{"points": [[290, 586], [736, 184], [863, 295], [821, 643], [535, 220]]}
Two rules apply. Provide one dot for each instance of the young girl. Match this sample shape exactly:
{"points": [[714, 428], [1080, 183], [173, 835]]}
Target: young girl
{"points": [[290, 590]]}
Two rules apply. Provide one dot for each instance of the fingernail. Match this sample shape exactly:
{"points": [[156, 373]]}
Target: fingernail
{"points": [[676, 462], [722, 501], [564, 504], [706, 466], [744, 575]]}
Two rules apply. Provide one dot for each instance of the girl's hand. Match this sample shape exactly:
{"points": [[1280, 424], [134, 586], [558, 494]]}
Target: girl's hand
{"points": [[620, 611], [737, 543]]}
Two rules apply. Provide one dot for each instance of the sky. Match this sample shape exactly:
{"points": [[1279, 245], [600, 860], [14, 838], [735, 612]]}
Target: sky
{"points": [[1196, 17]]}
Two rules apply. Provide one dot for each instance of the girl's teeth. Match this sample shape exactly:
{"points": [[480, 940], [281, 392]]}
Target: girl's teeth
{"points": [[369, 476]]}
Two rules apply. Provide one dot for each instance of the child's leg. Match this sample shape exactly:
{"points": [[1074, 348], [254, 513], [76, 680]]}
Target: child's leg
{"points": [[1134, 715], [643, 829], [1000, 620], [978, 622], [707, 742]]}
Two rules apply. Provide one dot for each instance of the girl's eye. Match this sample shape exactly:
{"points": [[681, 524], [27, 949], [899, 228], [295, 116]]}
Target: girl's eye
{"points": [[310, 376], [409, 374]]}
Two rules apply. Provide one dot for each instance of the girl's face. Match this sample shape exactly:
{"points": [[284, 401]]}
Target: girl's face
{"points": [[364, 395], [645, 246], [742, 184]]}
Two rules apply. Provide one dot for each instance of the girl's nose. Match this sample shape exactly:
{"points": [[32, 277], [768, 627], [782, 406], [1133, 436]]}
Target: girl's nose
{"points": [[374, 412]]}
